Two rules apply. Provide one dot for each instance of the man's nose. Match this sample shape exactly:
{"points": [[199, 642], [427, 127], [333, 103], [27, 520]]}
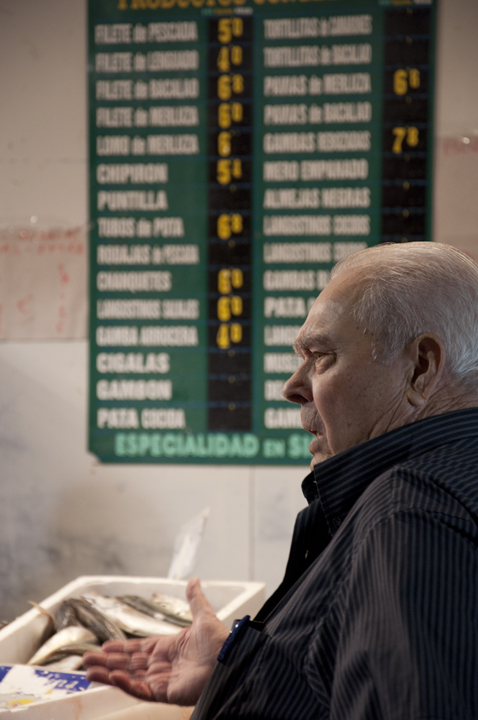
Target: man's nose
{"points": [[298, 388]]}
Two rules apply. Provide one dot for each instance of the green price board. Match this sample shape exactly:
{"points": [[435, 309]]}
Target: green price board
{"points": [[238, 149]]}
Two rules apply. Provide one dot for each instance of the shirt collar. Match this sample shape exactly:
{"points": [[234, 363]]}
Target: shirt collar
{"points": [[339, 481]]}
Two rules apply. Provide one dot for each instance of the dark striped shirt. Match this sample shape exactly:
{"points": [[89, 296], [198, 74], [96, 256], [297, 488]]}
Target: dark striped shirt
{"points": [[377, 616]]}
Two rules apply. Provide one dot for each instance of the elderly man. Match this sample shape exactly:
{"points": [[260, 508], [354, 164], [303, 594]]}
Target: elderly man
{"points": [[377, 615]]}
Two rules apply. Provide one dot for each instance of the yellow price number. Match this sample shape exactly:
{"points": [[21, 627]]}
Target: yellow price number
{"points": [[236, 55], [237, 169], [227, 279], [237, 84], [228, 56], [224, 89], [237, 278], [228, 28], [228, 334], [224, 30], [236, 223], [229, 306], [224, 115], [410, 135], [224, 143], [227, 170], [236, 305], [224, 227], [227, 113], [227, 84], [224, 309], [228, 224], [414, 78], [223, 172], [405, 78], [224, 281], [237, 112], [223, 61]]}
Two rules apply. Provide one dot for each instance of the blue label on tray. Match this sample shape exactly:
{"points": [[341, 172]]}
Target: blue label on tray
{"points": [[3, 671], [72, 682]]}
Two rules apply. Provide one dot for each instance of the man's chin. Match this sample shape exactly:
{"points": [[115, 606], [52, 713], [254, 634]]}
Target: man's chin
{"points": [[320, 456], [319, 449], [318, 459]]}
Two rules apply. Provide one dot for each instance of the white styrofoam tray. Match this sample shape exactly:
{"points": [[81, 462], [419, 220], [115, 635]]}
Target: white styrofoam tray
{"points": [[19, 640]]}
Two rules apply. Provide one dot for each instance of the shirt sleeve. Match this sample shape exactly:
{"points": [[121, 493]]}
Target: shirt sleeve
{"points": [[408, 640]]}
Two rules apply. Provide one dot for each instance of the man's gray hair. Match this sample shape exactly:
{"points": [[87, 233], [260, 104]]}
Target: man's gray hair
{"points": [[418, 287]]}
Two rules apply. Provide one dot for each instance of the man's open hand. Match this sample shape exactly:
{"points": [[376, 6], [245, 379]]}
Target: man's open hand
{"points": [[169, 668]]}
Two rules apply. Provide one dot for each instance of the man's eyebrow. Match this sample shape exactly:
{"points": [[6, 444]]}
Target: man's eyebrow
{"points": [[308, 340]]}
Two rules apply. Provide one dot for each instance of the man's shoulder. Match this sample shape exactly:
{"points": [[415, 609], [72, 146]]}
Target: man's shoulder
{"points": [[442, 482]]}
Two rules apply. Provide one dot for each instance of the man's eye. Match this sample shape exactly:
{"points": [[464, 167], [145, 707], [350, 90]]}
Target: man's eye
{"points": [[322, 359]]}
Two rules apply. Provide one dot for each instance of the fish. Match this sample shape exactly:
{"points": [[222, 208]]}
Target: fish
{"points": [[67, 636], [69, 662], [91, 617], [149, 607], [65, 615], [129, 619], [152, 608], [76, 648], [174, 609]]}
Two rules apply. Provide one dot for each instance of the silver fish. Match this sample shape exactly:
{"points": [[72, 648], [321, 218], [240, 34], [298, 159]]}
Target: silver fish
{"points": [[92, 617], [65, 615], [77, 648], [128, 619], [67, 636], [69, 662], [142, 605], [173, 608]]}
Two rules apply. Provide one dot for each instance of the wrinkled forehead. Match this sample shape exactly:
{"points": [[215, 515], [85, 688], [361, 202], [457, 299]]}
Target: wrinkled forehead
{"points": [[322, 325], [332, 310]]}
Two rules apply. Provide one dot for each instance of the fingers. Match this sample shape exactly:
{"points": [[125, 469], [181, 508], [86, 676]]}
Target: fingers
{"points": [[136, 687], [94, 658], [125, 665], [98, 673], [117, 660], [111, 660], [127, 646]]}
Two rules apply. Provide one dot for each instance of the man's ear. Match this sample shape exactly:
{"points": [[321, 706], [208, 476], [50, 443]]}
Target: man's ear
{"points": [[427, 353]]}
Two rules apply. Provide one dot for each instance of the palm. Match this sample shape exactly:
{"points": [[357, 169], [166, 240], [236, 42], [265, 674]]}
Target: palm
{"points": [[173, 668]]}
